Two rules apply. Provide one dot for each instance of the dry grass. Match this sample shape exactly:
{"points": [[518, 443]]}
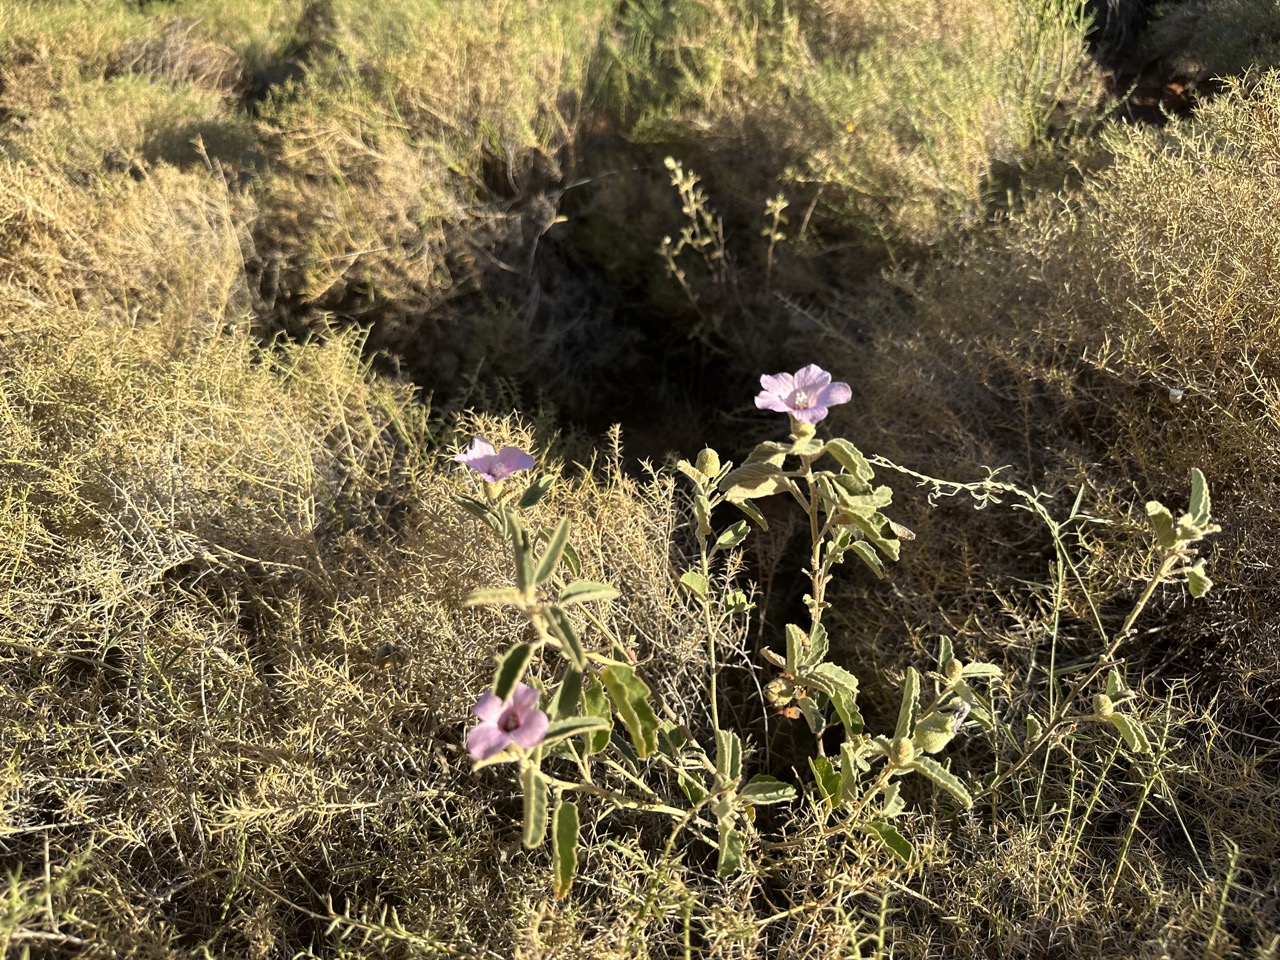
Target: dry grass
{"points": [[236, 663]]}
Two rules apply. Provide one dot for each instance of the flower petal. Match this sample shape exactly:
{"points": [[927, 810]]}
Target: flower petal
{"points": [[511, 459], [811, 378], [771, 401], [480, 447], [833, 394], [485, 740], [524, 699], [488, 707], [530, 733], [779, 384], [811, 415]]}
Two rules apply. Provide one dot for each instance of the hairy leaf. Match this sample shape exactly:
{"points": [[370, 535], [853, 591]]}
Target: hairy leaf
{"points": [[943, 777], [893, 841], [511, 668], [907, 711], [536, 491], [630, 696], [534, 785], [556, 543], [1134, 735], [564, 848], [763, 790], [586, 591]]}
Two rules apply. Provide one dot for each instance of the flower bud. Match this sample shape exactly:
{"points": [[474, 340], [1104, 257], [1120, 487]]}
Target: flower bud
{"points": [[953, 669], [933, 733], [709, 462], [800, 430], [779, 691], [1102, 705], [901, 751]]}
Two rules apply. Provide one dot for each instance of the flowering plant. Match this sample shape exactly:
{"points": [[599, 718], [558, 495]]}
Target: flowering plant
{"points": [[600, 737]]}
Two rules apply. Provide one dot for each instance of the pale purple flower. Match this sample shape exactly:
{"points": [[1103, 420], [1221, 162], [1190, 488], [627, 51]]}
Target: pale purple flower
{"points": [[805, 395], [518, 720], [494, 465]]}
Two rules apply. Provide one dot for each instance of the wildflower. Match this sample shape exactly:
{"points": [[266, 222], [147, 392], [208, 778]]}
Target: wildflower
{"points": [[494, 465], [518, 720], [805, 395]]}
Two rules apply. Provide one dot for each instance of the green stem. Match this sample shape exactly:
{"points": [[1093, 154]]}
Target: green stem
{"points": [[1105, 660]]}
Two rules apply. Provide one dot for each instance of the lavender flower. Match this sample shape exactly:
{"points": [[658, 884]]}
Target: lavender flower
{"points": [[518, 721], [494, 465], [805, 395]]}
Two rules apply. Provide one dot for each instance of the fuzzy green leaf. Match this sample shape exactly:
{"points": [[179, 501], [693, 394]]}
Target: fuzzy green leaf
{"points": [[763, 790], [732, 536], [1134, 735], [1115, 684], [807, 447], [1034, 729], [728, 756], [847, 784], [851, 458], [696, 583], [565, 702], [534, 786], [730, 861], [830, 676], [479, 510], [596, 704], [1199, 498], [536, 491], [907, 712], [572, 561], [702, 513], [796, 641], [750, 509], [893, 841], [826, 779], [771, 452], [693, 790], [586, 591], [817, 648], [556, 542], [693, 473], [1162, 520], [892, 803], [943, 777], [521, 554], [630, 696], [511, 668], [752, 480], [570, 643], [867, 554], [841, 687], [946, 651], [987, 670], [570, 727], [1198, 582], [564, 848]]}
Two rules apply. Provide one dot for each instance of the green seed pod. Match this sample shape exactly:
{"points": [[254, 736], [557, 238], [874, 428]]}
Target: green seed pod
{"points": [[709, 462], [953, 669], [1102, 705], [933, 733], [901, 751], [779, 691]]}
